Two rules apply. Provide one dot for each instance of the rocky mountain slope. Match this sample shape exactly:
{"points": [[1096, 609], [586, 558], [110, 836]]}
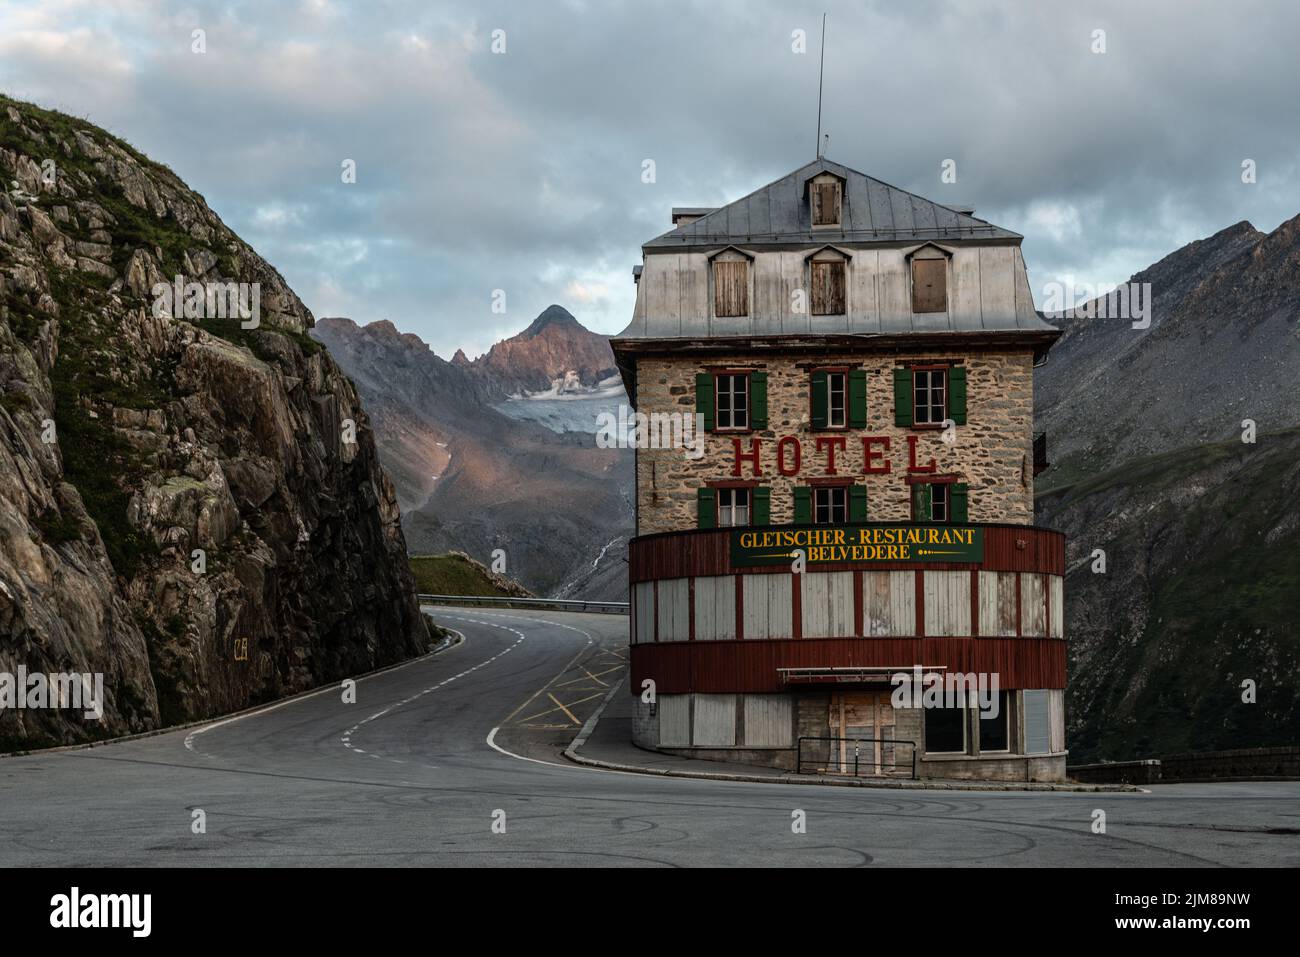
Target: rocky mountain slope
{"points": [[472, 479], [1202, 586], [555, 352], [192, 508], [1221, 347]]}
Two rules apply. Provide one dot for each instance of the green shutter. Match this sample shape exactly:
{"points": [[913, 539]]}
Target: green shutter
{"points": [[903, 398], [857, 503], [706, 513], [704, 398], [957, 498], [758, 400], [857, 398], [921, 503], [820, 401], [761, 513], [803, 505], [957, 394]]}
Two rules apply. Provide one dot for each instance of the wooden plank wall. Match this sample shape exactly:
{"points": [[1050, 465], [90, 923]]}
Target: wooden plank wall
{"points": [[947, 603], [715, 608], [889, 603], [827, 604], [769, 721], [674, 610], [997, 603], [767, 606], [715, 721], [674, 720], [643, 610]]}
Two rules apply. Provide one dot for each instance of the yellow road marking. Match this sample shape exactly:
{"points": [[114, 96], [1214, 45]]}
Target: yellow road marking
{"points": [[562, 707], [595, 677]]}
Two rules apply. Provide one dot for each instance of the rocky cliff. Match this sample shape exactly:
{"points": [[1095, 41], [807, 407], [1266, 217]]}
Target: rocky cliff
{"points": [[1200, 532], [190, 505]]}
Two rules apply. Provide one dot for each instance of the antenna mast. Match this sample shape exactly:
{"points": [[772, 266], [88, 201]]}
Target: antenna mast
{"points": [[820, 74]]}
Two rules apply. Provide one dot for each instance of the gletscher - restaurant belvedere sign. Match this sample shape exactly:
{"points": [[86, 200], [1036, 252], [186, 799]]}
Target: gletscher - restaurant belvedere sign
{"points": [[828, 544]]}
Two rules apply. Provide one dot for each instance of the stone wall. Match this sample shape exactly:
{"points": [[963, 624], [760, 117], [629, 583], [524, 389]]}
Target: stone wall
{"points": [[993, 452]]}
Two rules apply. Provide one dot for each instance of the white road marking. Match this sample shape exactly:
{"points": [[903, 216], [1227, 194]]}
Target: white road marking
{"points": [[189, 738], [346, 737]]}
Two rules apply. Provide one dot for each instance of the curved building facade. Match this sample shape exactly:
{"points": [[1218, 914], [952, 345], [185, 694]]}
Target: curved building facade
{"points": [[836, 568]]}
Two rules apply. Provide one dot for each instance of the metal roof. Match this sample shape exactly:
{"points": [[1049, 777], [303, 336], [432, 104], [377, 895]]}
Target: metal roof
{"points": [[872, 211]]}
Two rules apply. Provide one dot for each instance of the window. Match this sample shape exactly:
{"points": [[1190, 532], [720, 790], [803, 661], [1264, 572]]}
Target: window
{"points": [[995, 733], [1037, 722], [731, 287], [733, 507], [836, 393], [945, 730], [939, 503], [827, 277], [930, 283], [927, 395], [930, 396], [732, 401], [830, 505], [945, 503], [824, 194]]}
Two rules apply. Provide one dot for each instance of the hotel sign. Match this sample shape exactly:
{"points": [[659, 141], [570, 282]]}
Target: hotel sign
{"points": [[826, 544]]}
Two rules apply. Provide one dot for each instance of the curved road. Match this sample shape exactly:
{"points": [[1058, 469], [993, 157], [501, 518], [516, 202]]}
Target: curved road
{"points": [[407, 776]]}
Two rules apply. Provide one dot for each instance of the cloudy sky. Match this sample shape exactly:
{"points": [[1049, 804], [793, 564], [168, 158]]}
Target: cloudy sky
{"points": [[521, 170]]}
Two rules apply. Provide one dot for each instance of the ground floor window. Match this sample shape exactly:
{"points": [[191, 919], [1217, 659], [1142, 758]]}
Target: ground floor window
{"points": [[995, 732], [945, 730]]}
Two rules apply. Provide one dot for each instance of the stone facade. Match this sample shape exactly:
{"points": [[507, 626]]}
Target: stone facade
{"points": [[993, 452]]}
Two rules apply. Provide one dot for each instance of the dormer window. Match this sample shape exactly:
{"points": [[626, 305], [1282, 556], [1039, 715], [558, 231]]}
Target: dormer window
{"points": [[827, 269], [929, 280], [825, 196], [730, 284]]}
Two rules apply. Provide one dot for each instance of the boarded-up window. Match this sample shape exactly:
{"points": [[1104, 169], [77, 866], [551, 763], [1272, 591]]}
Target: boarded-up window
{"points": [[929, 285], [828, 288], [826, 204], [731, 289], [1037, 722]]}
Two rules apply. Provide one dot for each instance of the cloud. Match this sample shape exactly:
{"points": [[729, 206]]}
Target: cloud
{"points": [[521, 171]]}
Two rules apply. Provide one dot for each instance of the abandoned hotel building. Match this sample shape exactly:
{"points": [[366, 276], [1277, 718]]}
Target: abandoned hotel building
{"points": [[862, 361]]}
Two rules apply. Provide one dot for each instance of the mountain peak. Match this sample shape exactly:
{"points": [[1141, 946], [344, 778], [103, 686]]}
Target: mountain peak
{"points": [[552, 315]]}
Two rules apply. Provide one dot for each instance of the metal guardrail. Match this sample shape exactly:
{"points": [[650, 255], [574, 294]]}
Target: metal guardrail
{"points": [[863, 759], [501, 601]]}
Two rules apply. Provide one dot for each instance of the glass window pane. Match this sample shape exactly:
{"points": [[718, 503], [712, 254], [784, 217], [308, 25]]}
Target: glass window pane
{"points": [[945, 730], [994, 732]]}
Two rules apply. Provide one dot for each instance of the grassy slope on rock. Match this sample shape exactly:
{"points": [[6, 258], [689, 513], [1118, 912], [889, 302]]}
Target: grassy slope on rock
{"points": [[458, 574]]}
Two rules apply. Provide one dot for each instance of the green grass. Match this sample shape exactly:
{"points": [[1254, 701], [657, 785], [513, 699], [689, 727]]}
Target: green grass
{"points": [[452, 574]]}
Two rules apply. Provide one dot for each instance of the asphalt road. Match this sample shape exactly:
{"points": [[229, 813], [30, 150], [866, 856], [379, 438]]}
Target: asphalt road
{"points": [[406, 776]]}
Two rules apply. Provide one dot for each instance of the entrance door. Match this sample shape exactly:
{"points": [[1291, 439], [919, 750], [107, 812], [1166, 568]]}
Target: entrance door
{"points": [[864, 724]]}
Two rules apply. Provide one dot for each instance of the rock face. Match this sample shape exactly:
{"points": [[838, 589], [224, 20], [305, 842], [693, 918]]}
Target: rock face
{"points": [[556, 352], [1202, 584], [192, 508], [473, 479]]}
